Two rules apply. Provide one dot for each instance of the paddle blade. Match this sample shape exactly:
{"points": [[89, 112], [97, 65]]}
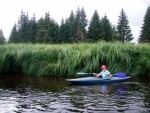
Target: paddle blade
{"points": [[83, 73], [120, 75]]}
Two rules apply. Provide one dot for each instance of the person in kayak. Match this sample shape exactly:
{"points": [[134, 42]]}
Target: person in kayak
{"points": [[104, 73]]}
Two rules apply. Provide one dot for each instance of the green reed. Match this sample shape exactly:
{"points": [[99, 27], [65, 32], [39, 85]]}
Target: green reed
{"points": [[67, 59]]}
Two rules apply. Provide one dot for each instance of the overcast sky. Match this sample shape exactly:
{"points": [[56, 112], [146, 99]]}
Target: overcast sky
{"points": [[10, 11]]}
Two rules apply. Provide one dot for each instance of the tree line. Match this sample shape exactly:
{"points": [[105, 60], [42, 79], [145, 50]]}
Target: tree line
{"points": [[75, 29], [72, 29]]}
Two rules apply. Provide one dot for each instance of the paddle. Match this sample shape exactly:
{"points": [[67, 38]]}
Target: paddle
{"points": [[118, 74], [83, 73]]}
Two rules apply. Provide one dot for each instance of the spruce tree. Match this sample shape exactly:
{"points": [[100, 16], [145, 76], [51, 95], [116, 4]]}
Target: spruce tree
{"points": [[67, 29], [80, 25], [107, 31], [50, 27], [14, 35], [145, 33], [123, 28], [2, 38], [62, 30], [114, 33], [84, 21], [33, 29], [94, 29], [24, 30], [54, 31], [23, 27], [47, 26], [42, 34], [71, 22]]}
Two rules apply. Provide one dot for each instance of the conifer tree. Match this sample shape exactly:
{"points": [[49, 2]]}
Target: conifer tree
{"points": [[71, 22], [107, 31], [145, 33], [23, 27], [33, 29], [24, 30], [42, 34], [2, 38], [80, 24], [95, 29], [62, 34], [123, 28], [84, 21], [67, 29], [50, 27], [14, 35], [114, 33], [54, 31]]}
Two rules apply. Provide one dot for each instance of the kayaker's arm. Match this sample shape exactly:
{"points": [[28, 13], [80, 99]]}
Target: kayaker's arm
{"points": [[110, 75], [96, 75]]}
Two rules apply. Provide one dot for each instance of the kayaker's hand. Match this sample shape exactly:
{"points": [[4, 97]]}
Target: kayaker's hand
{"points": [[110, 76]]}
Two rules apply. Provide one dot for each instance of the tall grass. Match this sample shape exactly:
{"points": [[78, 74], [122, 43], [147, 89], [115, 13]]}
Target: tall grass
{"points": [[67, 59]]}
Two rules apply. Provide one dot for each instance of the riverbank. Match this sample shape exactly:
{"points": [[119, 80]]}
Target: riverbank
{"points": [[67, 59]]}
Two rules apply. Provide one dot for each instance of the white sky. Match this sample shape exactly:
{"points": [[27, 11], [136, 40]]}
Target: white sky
{"points": [[10, 11]]}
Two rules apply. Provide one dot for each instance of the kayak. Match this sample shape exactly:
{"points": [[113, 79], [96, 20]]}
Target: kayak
{"points": [[95, 80]]}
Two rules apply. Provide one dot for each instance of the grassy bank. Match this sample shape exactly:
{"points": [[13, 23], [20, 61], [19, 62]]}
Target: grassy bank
{"points": [[67, 59]]}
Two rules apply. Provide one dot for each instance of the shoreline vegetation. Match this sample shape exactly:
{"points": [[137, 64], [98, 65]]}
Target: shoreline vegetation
{"points": [[68, 59]]}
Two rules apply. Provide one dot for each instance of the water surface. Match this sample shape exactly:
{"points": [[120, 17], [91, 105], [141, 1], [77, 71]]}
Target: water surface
{"points": [[23, 94]]}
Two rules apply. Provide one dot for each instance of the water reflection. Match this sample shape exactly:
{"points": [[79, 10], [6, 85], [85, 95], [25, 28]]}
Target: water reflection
{"points": [[106, 89], [113, 88], [38, 95], [121, 97], [20, 83]]}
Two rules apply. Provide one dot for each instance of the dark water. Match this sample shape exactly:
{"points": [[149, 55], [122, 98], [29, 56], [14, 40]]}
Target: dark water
{"points": [[20, 94]]}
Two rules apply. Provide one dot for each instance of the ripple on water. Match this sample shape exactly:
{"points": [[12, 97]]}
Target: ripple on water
{"points": [[124, 97]]}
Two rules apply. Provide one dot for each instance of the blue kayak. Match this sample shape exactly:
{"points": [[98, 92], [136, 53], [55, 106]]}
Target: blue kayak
{"points": [[94, 80]]}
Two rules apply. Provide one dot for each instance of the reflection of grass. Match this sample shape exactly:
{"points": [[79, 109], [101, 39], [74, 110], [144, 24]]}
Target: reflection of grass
{"points": [[67, 59], [36, 84]]}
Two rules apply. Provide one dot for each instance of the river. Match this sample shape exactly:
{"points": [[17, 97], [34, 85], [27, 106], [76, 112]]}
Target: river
{"points": [[26, 94]]}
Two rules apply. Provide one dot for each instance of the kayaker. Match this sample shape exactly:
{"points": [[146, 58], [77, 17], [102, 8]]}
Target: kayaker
{"points": [[104, 73]]}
